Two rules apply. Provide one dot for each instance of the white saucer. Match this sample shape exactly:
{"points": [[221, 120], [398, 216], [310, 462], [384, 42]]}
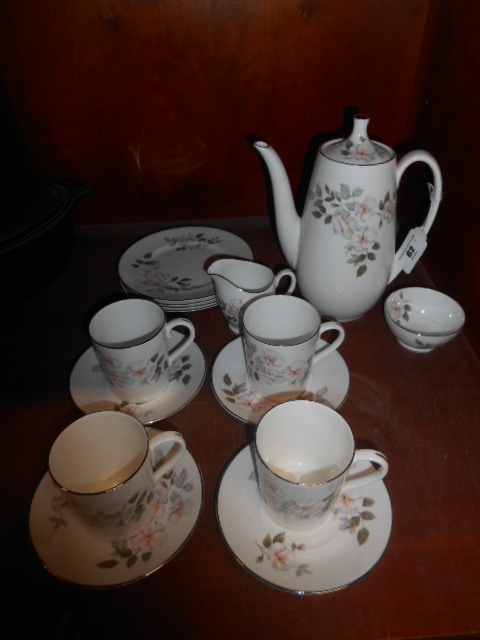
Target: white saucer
{"points": [[91, 392], [70, 552], [179, 307], [329, 382], [336, 554], [169, 265]]}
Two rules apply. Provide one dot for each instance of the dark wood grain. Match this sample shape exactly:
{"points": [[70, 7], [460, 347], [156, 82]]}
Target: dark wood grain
{"points": [[150, 103], [422, 411], [448, 125]]}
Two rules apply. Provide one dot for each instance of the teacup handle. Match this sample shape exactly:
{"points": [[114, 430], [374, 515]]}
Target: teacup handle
{"points": [[175, 453], [289, 274], [184, 344], [325, 351], [369, 476]]}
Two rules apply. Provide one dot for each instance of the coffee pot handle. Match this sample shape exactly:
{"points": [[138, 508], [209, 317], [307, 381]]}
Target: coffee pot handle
{"points": [[435, 195]]}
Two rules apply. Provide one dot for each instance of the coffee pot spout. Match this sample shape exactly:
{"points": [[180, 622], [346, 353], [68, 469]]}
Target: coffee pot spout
{"points": [[288, 221]]}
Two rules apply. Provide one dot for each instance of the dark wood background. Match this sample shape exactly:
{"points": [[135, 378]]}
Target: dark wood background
{"points": [[151, 103]]}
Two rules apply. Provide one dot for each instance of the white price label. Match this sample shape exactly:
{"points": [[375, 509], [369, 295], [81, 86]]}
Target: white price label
{"points": [[412, 249]]}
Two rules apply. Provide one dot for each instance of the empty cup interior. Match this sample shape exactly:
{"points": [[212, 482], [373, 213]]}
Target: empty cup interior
{"points": [[303, 442], [281, 319], [98, 452], [126, 323]]}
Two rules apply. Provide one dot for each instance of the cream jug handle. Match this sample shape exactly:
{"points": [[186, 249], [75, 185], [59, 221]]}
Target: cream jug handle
{"points": [[435, 196]]}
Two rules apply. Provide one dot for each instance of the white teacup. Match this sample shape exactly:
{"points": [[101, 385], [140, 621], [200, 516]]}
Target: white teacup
{"points": [[303, 453], [102, 462], [280, 336], [130, 339], [237, 282]]}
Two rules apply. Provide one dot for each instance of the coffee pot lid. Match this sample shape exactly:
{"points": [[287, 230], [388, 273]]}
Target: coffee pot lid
{"points": [[358, 148]]}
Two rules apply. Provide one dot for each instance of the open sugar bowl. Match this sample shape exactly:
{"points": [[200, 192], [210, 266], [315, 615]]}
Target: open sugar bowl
{"points": [[422, 319]]}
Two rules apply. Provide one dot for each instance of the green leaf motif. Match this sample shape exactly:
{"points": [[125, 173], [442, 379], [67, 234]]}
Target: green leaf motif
{"points": [[107, 564], [362, 536], [367, 515]]}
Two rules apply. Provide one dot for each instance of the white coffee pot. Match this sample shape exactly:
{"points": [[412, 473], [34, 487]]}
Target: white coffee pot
{"points": [[343, 246]]}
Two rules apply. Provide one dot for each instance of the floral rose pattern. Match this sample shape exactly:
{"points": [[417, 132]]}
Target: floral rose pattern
{"points": [[352, 513], [280, 555], [400, 309], [363, 153], [172, 502], [289, 508], [154, 280], [144, 372], [231, 309], [355, 217], [268, 365], [240, 394], [179, 371]]}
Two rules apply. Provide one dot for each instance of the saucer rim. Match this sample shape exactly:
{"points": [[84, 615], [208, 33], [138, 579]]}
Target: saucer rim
{"points": [[243, 250], [278, 587], [154, 421], [250, 422], [115, 584]]}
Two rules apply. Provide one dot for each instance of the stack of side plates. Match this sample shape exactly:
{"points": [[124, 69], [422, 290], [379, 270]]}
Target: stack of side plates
{"points": [[169, 266]]}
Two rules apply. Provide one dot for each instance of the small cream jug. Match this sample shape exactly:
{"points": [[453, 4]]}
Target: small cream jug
{"points": [[343, 246], [239, 281]]}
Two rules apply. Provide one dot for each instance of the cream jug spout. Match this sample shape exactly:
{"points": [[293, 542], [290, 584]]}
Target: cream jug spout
{"points": [[288, 221]]}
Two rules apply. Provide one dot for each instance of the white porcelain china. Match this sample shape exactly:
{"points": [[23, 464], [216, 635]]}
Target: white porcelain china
{"points": [[131, 341], [343, 246], [340, 552], [91, 392], [328, 383], [168, 266], [71, 553], [237, 282], [103, 466], [180, 307], [422, 319], [280, 337], [305, 457]]}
